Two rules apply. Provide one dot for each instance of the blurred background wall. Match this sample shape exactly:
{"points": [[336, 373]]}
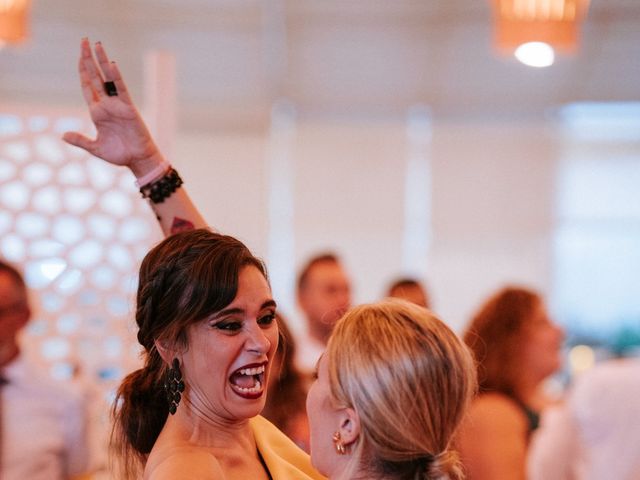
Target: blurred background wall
{"points": [[391, 132]]}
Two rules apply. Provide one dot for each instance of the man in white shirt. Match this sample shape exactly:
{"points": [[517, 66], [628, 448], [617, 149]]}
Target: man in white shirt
{"points": [[324, 294], [595, 433], [43, 434]]}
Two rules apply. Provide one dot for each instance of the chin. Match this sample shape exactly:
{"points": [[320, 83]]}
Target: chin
{"points": [[245, 410], [248, 414]]}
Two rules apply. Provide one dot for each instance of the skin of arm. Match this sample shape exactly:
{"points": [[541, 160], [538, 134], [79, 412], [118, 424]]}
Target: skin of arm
{"points": [[493, 439], [122, 138]]}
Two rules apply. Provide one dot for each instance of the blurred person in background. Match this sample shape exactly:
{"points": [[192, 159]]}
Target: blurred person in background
{"points": [[411, 290], [287, 390], [43, 429], [517, 346], [324, 294], [595, 433]]}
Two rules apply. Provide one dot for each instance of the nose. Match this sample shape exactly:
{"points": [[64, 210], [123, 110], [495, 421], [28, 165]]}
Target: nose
{"points": [[258, 343]]}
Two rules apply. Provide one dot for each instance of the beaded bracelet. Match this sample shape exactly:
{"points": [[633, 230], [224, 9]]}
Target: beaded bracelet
{"points": [[162, 188]]}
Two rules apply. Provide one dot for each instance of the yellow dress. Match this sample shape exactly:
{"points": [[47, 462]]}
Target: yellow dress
{"points": [[284, 459]]}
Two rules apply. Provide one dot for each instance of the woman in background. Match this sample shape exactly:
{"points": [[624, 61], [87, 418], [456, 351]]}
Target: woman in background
{"points": [[517, 347]]}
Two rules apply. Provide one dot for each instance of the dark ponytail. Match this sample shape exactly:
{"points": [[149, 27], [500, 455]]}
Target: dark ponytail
{"points": [[140, 411]]}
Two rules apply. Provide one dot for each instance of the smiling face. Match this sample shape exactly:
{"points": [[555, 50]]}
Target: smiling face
{"points": [[227, 362]]}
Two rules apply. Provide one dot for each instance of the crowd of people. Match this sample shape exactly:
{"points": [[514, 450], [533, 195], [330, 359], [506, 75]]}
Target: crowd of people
{"points": [[378, 391]]}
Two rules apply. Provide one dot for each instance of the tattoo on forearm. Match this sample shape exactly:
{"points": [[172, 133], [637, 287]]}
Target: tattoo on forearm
{"points": [[181, 225]]}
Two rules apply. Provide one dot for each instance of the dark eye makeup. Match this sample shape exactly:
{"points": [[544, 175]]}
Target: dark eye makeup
{"points": [[227, 325], [235, 324], [267, 319]]}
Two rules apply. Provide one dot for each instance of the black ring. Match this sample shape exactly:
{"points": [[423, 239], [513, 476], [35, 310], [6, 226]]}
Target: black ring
{"points": [[111, 89]]}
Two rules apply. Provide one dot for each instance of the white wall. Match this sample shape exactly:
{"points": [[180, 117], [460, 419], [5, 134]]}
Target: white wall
{"points": [[492, 211], [491, 202]]}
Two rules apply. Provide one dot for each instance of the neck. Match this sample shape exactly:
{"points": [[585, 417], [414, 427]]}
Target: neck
{"points": [[208, 430]]}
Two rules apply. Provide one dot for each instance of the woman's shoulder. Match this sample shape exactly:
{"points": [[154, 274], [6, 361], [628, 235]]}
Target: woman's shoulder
{"points": [[178, 461], [495, 401], [497, 408]]}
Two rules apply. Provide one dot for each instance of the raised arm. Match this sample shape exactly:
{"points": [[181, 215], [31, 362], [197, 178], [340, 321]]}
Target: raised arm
{"points": [[123, 139]]}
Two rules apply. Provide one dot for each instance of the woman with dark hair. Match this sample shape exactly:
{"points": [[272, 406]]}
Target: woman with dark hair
{"points": [[206, 320], [516, 346], [205, 317]]}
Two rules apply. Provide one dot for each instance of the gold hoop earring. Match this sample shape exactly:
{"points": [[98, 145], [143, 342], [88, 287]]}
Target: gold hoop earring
{"points": [[340, 448]]}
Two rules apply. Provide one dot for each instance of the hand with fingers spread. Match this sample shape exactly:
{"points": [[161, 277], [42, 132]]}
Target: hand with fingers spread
{"points": [[123, 139], [122, 136]]}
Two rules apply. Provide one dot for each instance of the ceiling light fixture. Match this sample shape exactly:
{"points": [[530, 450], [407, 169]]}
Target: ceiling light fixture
{"points": [[534, 30], [13, 21]]}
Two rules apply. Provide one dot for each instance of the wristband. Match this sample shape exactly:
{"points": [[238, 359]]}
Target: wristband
{"points": [[154, 174]]}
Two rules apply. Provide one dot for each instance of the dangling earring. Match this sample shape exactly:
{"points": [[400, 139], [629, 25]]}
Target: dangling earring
{"points": [[340, 448], [173, 386]]}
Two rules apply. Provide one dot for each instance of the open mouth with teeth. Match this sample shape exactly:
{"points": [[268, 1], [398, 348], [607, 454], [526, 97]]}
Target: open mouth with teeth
{"points": [[248, 381]]}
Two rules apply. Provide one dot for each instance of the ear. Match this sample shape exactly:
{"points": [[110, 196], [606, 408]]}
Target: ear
{"points": [[349, 426], [166, 350]]}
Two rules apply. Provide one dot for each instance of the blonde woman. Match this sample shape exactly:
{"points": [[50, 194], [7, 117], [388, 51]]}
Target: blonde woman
{"points": [[391, 390]]}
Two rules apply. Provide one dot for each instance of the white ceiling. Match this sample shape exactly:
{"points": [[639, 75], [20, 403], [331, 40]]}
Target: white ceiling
{"points": [[330, 57]]}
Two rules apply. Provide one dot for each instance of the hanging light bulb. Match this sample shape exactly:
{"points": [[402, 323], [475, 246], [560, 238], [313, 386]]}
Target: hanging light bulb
{"points": [[13, 21], [536, 54], [536, 29]]}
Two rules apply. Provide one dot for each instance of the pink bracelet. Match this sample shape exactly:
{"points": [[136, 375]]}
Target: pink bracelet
{"points": [[154, 174]]}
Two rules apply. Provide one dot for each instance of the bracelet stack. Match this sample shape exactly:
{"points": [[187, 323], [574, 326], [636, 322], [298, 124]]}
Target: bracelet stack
{"points": [[161, 189]]}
